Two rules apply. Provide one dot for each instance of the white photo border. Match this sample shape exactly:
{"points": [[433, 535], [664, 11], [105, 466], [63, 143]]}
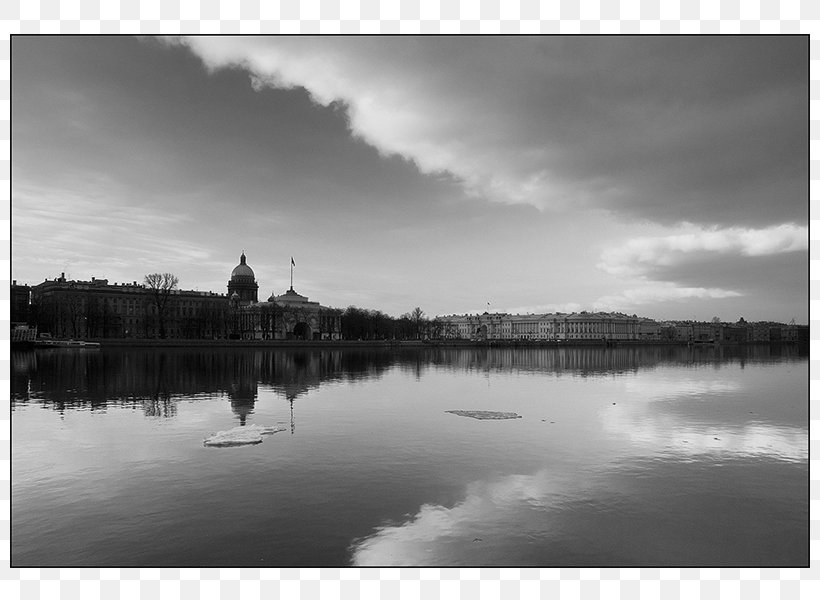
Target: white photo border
{"points": [[407, 17]]}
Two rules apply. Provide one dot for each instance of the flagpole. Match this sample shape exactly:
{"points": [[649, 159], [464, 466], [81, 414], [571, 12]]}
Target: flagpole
{"points": [[291, 272]]}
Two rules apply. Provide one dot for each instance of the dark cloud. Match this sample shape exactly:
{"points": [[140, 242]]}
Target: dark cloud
{"points": [[150, 117], [697, 128], [786, 273], [774, 280], [701, 129]]}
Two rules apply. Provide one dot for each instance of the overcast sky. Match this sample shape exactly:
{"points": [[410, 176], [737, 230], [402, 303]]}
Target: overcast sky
{"points": [[663, 176]]}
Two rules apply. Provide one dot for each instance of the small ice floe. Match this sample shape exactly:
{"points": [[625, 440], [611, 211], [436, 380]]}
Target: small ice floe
{"points": [[484, 414], [241, 436]]}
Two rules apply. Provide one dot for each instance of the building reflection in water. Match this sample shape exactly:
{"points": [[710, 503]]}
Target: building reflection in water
{"points": [[597, 360], [155, 380], [244, 385]]}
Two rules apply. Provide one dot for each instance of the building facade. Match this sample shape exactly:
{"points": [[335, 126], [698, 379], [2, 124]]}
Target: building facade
{"points": [[99, 309], [600, 326], [730, 333], [79, 309], [587, 326], [20, 304]]}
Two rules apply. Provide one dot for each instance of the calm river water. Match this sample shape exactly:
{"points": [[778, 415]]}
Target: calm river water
{"points": [[626, 456]]}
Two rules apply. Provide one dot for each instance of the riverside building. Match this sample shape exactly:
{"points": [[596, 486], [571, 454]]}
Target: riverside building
{"points": [[79, 309], [99, 309], [589, 326], [601, 326]]}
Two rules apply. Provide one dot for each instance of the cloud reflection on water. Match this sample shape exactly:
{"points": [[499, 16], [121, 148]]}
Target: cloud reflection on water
{"points": [[429, 536], [660, 417], [650, 430], [658, 386], [664, 507], [681, 441]]}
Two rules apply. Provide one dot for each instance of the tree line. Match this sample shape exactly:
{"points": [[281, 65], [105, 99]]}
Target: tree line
{"points": [[367, 324]]}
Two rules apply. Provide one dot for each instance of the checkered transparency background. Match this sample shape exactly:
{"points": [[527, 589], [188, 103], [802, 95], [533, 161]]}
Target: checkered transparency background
{"points": [[406, 17]]}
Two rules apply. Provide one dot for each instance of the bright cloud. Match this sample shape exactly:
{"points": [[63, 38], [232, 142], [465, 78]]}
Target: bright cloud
{"points": [[653, 292], [647, 264], [638, 255]]}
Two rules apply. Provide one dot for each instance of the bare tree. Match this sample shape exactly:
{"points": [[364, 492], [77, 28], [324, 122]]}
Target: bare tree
{"points": [[418, 319], [267, 320], [74, 311], [437, 328], [160, 285], [93, 316]]}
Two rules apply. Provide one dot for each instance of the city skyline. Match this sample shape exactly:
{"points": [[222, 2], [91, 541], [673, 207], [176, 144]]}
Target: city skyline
{"points": [[663, 176]]}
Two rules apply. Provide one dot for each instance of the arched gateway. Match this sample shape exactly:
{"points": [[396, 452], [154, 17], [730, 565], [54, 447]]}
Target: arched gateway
{"points": [[301, 331]]}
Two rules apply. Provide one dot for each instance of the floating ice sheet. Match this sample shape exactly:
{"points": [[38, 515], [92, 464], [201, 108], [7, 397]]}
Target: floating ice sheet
{"points": [[485, 414], [241, 436]]}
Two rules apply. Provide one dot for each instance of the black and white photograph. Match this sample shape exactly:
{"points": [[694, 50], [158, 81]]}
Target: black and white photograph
{"points": [[409, 301]]}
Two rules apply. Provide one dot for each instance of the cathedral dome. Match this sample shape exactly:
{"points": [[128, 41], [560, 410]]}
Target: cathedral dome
{"points": [[242, 270], [243, 283]]}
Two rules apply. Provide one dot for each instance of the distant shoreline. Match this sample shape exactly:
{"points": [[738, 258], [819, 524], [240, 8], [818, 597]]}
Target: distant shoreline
{"points": [[183, 343]]}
